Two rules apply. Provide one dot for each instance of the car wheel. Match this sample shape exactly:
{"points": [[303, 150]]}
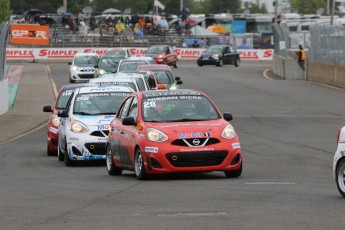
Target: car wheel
{"points": [[139, 165], [237, 63], [111, 167], [49, 152], [340, 177], [200, 64], [176, 64], [61, 156], [71, 81], [234, 173], [220, 63], [68, 161]]}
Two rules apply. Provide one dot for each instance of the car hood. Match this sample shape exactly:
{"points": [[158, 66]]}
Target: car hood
{"points": [[85, 65], [94, 120], [191, 129], [153, 55]]}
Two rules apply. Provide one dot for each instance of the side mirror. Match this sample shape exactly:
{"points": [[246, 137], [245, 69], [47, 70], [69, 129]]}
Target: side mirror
{"points": [[179, 82], [128, 121], [47, 109], [96, 67], [161, 86], [69, 63], [227, 116], [177, 78], [63, 113]]}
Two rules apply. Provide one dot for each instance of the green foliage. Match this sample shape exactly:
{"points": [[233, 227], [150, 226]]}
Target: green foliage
{"points": [[255, 8], [307, 7], [223, 6], [4, 10]]}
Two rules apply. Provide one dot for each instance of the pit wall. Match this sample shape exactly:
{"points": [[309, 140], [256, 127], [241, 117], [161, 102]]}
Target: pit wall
{"points": [[327, 73], [3, 96]]}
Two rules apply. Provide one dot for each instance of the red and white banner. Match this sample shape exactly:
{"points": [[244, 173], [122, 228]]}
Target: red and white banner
{"points": [[159, 5], [68, 53]]}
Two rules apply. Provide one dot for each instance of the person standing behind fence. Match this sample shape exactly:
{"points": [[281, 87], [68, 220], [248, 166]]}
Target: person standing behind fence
{"points": [[301, 56]]}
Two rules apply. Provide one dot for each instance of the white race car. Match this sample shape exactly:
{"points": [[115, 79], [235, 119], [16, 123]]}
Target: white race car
{"points": [[82, 68], [84, 125], [339, 162]]}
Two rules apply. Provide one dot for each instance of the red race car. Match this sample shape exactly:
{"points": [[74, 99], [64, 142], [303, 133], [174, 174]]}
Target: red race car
{"points": [[157, 132], [53, 123], [163, 54]]}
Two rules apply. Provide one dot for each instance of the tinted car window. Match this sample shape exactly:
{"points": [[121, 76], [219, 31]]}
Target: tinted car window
{"points": [[141, 84], [81, 60], [64, 96], [133, 111], [125, 107]]}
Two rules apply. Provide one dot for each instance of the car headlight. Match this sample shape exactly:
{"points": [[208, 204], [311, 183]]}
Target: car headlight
{"points": [[160, 56], [78, 127], [55, 120], [101, 71], [156, 135], [215, 56], [228, 132], [74, 68]]}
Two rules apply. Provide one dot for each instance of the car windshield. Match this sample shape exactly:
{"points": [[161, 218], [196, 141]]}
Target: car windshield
{"points": [[131, 65], [108, 63], [163, 77], [81, 60], [98, 103], [63, 98], [214, 49], [178, 109], [156, 50], [116, 53]]}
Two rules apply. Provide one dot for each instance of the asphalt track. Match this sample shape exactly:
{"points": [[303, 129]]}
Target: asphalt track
{"points": [[288, 136]]}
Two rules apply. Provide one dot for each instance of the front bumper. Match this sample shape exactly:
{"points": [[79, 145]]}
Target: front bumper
{"points": [[208, 61], [162, 158], [87, 146], [82, 76], [53, 137], [339, 154]]}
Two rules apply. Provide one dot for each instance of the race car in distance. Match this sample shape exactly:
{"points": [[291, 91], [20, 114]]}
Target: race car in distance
{"points": [[164, 75], [84, 124], [219, 55], [129, 64], [83, 67], [137, 82], [163, 54], [149, 76], [107, 65], [61, 101], [163, 131], [339, 162]]}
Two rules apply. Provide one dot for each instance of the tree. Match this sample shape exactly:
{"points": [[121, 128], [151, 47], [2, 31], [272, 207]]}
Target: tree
{"points": [[255, 8], [307, 7], [222, 6], [4, 10]]}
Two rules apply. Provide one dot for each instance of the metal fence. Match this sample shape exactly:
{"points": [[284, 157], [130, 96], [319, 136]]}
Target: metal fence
{"points": [[327, 45], [3, 43]]}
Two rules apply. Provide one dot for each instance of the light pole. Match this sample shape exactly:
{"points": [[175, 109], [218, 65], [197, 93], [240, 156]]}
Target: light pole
{"points": [[181, 5], [65, 5], [276, 13], [332, 12]]}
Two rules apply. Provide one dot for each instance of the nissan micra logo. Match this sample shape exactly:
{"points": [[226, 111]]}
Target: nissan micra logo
{"points": [[196, 142]]}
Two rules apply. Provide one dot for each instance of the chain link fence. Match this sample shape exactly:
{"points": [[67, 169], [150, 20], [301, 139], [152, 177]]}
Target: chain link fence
{"points": [[3, 43], [327, 45]]}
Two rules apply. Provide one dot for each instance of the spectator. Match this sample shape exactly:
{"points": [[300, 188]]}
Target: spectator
{"points": [[301, 56], [184, 14], [119, 27], [196, 44], [163, 25], [92, 23]]}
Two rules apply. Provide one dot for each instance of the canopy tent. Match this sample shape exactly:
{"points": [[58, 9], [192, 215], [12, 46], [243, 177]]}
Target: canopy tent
{"points": [[200, 31], [217, 29]]}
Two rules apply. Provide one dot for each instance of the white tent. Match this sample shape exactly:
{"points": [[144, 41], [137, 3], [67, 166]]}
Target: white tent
{"points": [[200, 31]]}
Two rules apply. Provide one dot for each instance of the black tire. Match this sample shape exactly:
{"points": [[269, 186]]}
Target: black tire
{"points": [[176, 64], [71, 81], [200, 64], [340, 176], [220, 63], [61, 156], [49, 152], [139, 167], [68, 161], [237, 63], [234, 173], [111, 167]]}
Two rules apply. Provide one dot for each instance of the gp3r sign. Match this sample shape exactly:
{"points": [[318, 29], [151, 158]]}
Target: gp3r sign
{"points": [[28, 34]]}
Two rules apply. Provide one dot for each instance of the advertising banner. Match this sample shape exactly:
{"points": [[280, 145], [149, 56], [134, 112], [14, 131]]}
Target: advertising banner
{"points": [[68, 53], [28, 34]]}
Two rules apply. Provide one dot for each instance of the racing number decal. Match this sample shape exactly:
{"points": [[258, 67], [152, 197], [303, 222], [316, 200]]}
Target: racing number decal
{"points": [[150, 104]]}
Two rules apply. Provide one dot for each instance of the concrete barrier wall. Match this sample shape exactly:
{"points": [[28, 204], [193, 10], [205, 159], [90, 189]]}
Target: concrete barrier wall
{"points": [[287, 68], [3, 96], [327, 73]]}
